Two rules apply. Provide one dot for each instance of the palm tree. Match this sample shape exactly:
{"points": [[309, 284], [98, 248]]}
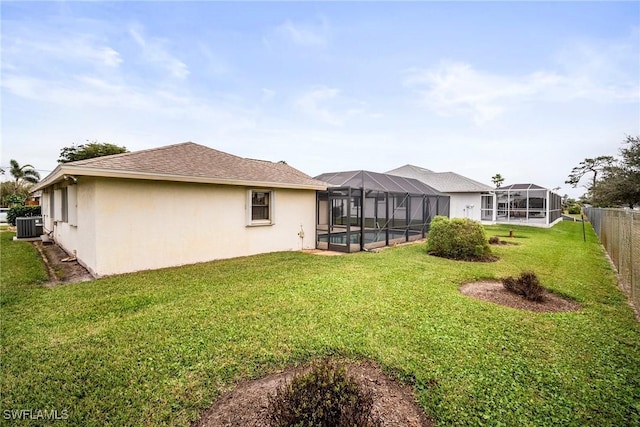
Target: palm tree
{"points": [[24, 173], [497, 179]]}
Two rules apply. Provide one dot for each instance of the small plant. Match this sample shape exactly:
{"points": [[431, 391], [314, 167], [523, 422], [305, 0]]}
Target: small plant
{"points": [[527, 285], [494, 240], [458, 238], [325, 396]]}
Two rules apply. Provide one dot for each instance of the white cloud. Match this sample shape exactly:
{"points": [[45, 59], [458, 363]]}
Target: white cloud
{"points": [[305, 35], [122, 101], [457, 88], [329, 106], [110, 56], [267, 94], [313, 104], [77, 49], [213, 62], [78, 91], [604, 70], [154, 51], [76, 74]]}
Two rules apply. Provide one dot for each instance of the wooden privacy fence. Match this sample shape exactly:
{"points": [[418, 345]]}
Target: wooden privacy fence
{"points": [[619, 233]]}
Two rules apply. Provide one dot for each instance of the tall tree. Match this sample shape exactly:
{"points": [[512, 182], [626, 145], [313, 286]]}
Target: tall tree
{"points": [[620, 183], [588, 165], [631, 155], [22, 174], [89, 151], [9, 196], [497, 180]]}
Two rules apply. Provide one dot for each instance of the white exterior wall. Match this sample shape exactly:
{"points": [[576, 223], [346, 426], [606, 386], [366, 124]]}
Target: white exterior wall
{"points": [[460, 203], [132, 225], [47, 221], [80, 237]]}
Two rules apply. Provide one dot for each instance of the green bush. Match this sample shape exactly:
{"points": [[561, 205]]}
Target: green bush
{"points": [[527, 285], [20, 211], [574, 209], [325, 396], [458, 238]]}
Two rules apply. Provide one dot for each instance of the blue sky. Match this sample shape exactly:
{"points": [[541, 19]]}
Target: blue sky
{"points": [[524, 89]]}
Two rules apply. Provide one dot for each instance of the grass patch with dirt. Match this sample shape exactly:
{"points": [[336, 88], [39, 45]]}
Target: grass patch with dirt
{"points": [[158, 347]]}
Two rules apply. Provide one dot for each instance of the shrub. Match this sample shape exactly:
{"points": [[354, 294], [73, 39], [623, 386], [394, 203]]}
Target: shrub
{"points": [[527, 285], [574, 210], [20, 211], [325, 396], [494, 240], [458, 238]]}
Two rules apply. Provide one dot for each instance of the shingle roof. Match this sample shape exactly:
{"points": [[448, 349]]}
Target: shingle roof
{"points": [[377, 182], [191, 161], [446, 182]]}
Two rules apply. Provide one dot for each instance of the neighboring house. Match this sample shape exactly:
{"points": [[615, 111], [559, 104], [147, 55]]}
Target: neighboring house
{"points": [[469, 198], [33, 199], [176, 205], [362, 210], [527, 204]]}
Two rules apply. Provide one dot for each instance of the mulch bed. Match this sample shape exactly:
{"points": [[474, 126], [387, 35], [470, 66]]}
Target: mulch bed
{"points": [[246, 405], [496, 293]]}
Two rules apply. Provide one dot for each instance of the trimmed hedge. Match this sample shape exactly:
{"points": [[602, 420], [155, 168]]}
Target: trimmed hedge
{"points": [[20, 211], [458, 238]]}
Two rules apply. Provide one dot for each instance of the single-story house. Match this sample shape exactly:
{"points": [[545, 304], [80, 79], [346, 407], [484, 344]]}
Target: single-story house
{"points": [[527, 204], [362, 210], [524, 204], [175, 205], [469, 199]]}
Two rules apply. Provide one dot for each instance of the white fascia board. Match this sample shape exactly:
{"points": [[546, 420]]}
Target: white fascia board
{"points": [[52, 178]]}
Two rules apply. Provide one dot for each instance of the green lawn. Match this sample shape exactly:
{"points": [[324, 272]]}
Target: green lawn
{"points": [[158, 347]]}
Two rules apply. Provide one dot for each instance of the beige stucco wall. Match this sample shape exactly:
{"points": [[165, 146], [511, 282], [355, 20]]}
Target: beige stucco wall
{"points": [[130, 225]]}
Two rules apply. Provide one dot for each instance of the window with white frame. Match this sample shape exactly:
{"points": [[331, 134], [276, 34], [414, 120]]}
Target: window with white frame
{"points": [[260, 207]]}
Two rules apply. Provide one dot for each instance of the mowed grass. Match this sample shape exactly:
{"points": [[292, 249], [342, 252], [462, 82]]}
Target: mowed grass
{"points": [[157, 347]]}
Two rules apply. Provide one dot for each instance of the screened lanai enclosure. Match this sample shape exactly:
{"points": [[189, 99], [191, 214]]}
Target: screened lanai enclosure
{"points": [[363, 210], [527, 204]]}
